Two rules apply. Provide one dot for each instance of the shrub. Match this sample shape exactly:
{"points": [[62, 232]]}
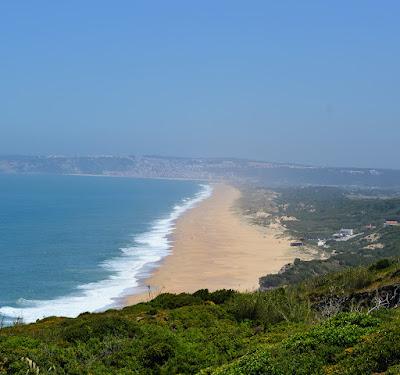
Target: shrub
{"points": [[376, 353], [342, 330], [218, 297], [380, 265], [84, 328], [270, 307], [345, 281], [258, 363], [173, 301], [157, 354], [244, 306]]}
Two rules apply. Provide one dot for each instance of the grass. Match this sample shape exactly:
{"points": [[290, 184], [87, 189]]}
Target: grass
{"points": [[280, 331]]}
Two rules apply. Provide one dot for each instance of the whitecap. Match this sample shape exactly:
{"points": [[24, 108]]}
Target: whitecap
{"points": [[147, 249]]}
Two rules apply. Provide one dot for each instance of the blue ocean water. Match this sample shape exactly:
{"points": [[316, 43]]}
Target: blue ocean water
{"points": [[70, 244]]}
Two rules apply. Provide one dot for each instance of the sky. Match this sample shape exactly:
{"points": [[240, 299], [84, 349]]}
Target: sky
{"points": [[315, 82]]}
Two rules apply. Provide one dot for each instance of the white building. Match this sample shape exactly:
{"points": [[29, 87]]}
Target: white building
{"points": [[346, 232]]}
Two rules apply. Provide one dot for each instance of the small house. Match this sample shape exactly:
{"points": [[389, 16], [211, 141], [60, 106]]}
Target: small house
{"points": [[297, 243], [391, 222]]}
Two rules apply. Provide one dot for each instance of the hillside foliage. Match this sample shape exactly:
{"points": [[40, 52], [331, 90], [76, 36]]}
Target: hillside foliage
{"points": [[338, 323]]}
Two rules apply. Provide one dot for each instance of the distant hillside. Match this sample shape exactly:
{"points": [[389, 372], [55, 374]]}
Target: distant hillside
{"points": [[258, 172], [315, 213]]}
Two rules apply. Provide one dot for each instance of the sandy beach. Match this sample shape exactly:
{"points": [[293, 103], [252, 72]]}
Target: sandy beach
{"points": [[215, 247]]}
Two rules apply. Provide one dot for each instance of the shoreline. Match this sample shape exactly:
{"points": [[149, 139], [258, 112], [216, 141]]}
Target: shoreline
{"points": [[214, 247], [138, 177], [135, 260]]}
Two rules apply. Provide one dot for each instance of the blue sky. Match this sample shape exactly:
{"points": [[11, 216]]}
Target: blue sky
{"points": [[289, 81]]}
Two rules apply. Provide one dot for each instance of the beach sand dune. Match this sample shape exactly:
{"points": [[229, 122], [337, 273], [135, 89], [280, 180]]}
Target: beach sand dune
{"points": [[214, 247]]}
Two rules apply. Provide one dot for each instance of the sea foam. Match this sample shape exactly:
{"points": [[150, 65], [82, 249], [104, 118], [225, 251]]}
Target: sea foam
{"points": [[133, 262]]}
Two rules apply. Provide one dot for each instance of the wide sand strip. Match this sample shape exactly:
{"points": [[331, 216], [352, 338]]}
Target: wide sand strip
{"points": [[214, 247]]}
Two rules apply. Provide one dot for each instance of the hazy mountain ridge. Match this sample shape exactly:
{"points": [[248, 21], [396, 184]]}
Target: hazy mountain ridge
{"points": [[240, 170]]}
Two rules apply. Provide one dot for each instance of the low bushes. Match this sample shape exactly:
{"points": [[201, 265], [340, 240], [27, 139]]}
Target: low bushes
{"points": [[270, 307], [381, 265], [273, 332]]}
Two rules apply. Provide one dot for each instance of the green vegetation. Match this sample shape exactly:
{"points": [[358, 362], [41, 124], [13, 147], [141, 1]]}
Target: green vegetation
{"points": [[313, 213], [332, 316], [339, 323], [322, 211]]}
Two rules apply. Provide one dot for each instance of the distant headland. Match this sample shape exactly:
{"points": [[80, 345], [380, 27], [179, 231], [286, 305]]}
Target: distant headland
{"points": [[261, 173]]}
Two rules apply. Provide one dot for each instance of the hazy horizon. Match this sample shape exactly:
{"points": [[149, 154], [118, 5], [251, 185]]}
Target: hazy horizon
{"points": [[197, 157], [289, 82]]}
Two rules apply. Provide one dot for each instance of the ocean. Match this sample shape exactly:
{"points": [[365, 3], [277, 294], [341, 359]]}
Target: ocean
{"points": [[71, 244]]}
